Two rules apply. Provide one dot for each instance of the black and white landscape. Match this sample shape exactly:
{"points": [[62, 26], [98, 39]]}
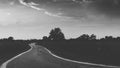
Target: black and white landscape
{"points": [[59, 33]]}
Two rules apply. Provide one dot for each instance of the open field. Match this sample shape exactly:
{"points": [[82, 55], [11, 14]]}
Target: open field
{"points": [[39, 57]]}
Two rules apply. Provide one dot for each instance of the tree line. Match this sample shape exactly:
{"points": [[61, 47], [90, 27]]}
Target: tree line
{"points": [[57, 34]]}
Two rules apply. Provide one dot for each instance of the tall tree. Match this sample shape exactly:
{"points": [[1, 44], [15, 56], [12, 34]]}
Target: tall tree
{"points": [[10, 38], [56, 34]]}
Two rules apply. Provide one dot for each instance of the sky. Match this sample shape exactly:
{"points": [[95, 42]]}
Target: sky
{"points": [[33, 19]]}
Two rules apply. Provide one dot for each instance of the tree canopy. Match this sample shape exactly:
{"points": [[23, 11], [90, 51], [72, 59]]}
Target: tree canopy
{"points": [[56, 34]]}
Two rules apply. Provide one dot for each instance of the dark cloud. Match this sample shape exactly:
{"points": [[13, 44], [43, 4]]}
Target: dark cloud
{"points": [[110, 8], [78, 8]]}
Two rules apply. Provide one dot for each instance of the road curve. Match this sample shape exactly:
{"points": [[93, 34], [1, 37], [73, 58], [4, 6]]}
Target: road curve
{"points": [[101, 65], [55, 58], [5, 63]]}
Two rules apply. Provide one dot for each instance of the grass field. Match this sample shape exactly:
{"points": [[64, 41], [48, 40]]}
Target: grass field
{"points": [[38, 57]]}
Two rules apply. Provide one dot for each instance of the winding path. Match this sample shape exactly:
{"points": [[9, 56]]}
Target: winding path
{"points": [[46, 54], [5, 63]]}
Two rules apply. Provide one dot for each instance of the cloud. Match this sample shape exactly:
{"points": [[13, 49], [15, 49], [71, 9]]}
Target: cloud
{"points": [[76, 8], [50, 7], [98, 12], [110, 8], [34, 6]]}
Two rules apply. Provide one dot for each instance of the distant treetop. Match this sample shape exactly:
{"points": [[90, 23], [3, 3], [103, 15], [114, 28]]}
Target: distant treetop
{"points": [[56, 34]]}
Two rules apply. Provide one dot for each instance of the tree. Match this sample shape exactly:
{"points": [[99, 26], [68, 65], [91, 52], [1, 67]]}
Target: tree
{"points": [[56, 34], [45, 38], [109, 38], [10, 38], [84, 37], [92, 37]]}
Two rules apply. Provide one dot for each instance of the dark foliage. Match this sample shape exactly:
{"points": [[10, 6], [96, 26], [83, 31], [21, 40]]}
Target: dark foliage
{"points": [[56, 34]]}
